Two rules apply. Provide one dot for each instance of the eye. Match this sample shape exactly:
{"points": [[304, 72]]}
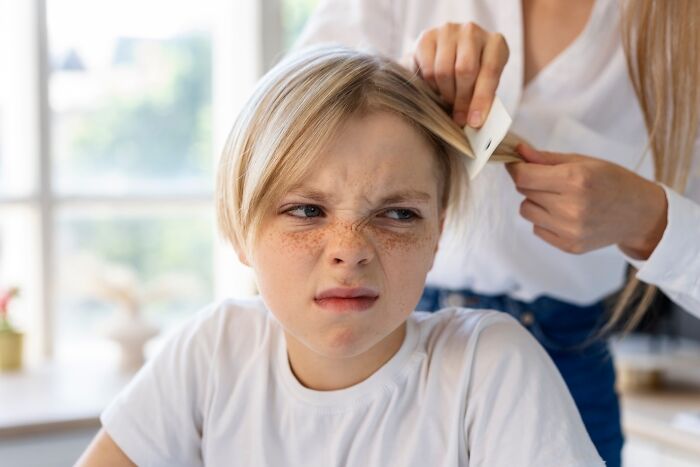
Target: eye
{"points": [[401, 214], [305, 211]]}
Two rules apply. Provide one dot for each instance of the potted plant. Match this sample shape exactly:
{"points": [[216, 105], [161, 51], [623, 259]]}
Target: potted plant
{"points": [[10, 337]]}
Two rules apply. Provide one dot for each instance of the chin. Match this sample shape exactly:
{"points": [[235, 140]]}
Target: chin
{"points": [[343, 343]]}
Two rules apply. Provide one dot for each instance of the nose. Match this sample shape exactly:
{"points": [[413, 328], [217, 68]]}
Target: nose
{"points": [[350, 246]]}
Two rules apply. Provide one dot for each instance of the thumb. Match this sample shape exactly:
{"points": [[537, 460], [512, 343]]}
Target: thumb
{"points": [[532, 155]]}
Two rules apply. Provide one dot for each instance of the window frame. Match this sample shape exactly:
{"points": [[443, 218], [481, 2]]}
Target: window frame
{"points": [[246, 39]]}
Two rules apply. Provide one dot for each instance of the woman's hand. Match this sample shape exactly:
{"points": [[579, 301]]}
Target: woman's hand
{"points": [[463, 63], [579, 204]]}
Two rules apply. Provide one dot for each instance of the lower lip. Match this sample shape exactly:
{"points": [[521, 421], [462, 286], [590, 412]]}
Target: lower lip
{"points": [[343, 305]]}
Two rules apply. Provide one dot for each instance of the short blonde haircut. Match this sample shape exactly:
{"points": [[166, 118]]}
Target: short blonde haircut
{"points": [[298, 107]]}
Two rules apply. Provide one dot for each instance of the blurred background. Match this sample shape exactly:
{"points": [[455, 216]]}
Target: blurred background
{"points": [[112, 114]]}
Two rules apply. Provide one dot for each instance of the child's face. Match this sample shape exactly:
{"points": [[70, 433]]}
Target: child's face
{"points": [[365, 221]]}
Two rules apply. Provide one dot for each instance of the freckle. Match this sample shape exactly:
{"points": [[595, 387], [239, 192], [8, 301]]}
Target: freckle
{"points": [[303, 241], [403, 242]]}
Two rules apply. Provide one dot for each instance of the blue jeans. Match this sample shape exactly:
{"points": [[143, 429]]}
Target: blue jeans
{"points": [[561, 328]]}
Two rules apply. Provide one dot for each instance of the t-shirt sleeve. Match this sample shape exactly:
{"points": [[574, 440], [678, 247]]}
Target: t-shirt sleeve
{"points": [[519, 411], [157, 419]]}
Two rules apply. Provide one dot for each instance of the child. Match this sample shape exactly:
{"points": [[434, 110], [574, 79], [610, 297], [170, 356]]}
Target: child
{"points": [[334, 187]]}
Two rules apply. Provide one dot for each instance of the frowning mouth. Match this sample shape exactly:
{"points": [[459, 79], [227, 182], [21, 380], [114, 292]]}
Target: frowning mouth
{"points": [[342, 300]]}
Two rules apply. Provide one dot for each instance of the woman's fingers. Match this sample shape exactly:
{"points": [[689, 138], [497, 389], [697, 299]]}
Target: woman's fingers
{"points": [[466, 70], [545, 226], [493, 60], [536, 214], [463, 63], [538, 177], [445, 55], [552, 238], [425, 57], [549, 228]]}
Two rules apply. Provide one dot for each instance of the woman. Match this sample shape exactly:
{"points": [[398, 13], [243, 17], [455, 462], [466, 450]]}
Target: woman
{"points": [[590, 78]]}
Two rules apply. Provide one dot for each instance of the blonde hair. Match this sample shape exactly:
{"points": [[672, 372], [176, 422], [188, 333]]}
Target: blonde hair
{"points": [[295, 111], [660, 39]]}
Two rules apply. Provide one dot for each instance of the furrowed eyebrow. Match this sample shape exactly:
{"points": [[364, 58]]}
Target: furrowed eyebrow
{"points": [[313, 195], [403, 196], [393, 198]]}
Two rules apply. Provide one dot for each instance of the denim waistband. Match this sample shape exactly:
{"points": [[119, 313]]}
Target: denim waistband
{"points": [[557, 324]]}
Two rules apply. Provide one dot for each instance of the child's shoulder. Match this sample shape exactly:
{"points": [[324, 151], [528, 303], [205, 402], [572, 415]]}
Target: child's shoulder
{"points": [[229, 323], [238, 311], [461, 322], [458, 331]]}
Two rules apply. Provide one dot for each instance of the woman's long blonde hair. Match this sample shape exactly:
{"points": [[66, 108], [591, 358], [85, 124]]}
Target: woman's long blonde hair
{"points": [[660, 39], [299, 106]]}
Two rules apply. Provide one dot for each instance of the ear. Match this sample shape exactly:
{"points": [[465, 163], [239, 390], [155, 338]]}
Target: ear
{"points": [[241, 254], [442, 222], [441, 228]]}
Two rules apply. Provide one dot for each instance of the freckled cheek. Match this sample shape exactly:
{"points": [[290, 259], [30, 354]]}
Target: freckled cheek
{"points": [[407, 257], [406, 262], [410, 245], [286, 252], [303, 244], [283, 263]]}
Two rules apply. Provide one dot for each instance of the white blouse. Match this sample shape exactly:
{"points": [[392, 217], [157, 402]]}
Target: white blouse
{"points": [[582, 102]]}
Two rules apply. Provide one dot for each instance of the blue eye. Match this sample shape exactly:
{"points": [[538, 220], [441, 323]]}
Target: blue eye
{"points": [[400, 214], [305, 211]]}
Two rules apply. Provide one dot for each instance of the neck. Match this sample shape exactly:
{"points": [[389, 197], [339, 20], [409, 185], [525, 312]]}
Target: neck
{"points": [[550, 26], [322, 373]]}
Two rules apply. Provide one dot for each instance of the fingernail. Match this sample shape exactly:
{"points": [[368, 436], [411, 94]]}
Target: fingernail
{"points": [[460, 118], [475, 118]]}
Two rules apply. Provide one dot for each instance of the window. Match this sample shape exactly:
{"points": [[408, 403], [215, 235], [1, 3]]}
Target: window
{"points": [[20, 232], [294, 16], [119, 109], [130, 96], [130, 124]]}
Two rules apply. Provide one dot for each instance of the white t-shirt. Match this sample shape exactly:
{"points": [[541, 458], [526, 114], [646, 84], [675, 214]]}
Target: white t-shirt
{"points": [[466, 387]]}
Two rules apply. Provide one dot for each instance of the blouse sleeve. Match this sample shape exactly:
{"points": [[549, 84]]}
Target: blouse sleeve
{"points": [[364, 24], [674, 265]]}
